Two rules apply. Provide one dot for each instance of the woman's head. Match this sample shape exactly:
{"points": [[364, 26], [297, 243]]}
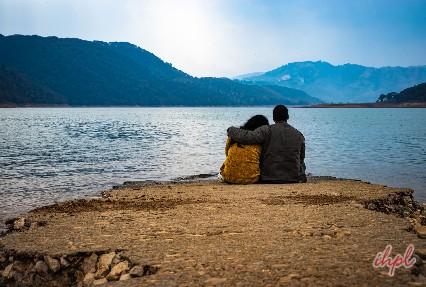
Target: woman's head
{"points": [[255, 122]]}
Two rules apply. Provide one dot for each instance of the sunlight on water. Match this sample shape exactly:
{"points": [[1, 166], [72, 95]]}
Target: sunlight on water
{"points": [[49, 155]]}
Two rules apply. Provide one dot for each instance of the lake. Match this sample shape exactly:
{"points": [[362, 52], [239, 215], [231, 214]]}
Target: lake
{"points": [[53, 154]]}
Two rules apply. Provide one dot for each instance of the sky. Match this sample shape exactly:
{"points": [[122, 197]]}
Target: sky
{"points": [[227, 38]]}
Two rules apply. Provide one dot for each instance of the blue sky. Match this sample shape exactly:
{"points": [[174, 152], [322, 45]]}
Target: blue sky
{"points": [[226, 38]]}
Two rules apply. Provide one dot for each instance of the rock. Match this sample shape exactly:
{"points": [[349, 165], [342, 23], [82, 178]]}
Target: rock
{"points": [[105, 260], [88, 279], [20, 267], [16, 276], [372, 206], [89, 276], [2, 257], [125, 277], [21, 224], [420, 230], [79, 276], [137, 271], [41, 267], [101, 273], [117, 270], [358, 205], [151, 269], [421, 252], [116, 260], [215, 281], [417, 269], [89, 264], [52, 263], [64, 262], [28, 279], [290, 277], [392, 198], [343, 233], [99, 282], [7, 272]]}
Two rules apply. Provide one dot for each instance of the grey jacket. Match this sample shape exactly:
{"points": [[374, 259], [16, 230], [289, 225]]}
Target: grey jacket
{"points": [[283, 151]]}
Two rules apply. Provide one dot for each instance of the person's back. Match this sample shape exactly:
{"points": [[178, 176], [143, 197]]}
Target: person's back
{"points": [[283, 153], [283, 148], [242, 163]]}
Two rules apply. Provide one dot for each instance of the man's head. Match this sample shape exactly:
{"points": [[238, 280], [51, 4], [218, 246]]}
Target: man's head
{"points": [[280, 113]]}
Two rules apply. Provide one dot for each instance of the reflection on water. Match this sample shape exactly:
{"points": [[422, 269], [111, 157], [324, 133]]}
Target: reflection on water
{"points": [[49, 155]]}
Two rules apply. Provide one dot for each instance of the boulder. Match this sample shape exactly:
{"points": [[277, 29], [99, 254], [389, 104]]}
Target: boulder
{"points": [[137, 271], [41, 267], [116, 271], [125, 277], [105, 260], [7, 272], [101, 273], [52, 263]]}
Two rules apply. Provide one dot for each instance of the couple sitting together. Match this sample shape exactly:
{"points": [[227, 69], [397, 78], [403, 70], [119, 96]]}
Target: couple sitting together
{"points": [[259, 152]]}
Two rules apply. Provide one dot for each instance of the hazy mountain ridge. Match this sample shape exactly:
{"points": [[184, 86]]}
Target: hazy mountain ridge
{"points": [[344, 83], [106, 74]]}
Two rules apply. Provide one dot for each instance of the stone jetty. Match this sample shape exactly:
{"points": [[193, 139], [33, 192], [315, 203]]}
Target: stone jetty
{"points": [[320, 233]]}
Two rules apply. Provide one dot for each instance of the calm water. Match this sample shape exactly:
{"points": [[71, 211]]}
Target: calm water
{"points": [[49, 155]]}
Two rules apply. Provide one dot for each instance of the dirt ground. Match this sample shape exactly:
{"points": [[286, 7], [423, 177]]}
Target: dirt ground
{"points": [[215, 234]]}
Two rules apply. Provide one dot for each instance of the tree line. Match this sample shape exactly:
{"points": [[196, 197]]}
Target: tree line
{"points": [[412, 94]]}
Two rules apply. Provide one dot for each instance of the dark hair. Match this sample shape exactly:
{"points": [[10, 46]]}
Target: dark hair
{"points": [[255, 122], [280, 113]]}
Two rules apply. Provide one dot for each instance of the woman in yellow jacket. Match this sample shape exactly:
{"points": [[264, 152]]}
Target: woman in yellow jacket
{"points": [[242, 163]]}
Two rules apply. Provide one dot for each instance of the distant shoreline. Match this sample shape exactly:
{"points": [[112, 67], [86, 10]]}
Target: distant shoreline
{"points": [[347, 105], [369, 105]]}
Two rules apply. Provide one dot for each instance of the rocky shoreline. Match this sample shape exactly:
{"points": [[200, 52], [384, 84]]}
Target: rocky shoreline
{"points": [[322, 233]]}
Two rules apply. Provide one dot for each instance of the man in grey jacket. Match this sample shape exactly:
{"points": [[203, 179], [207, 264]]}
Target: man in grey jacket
{"points": [[283, 148]]}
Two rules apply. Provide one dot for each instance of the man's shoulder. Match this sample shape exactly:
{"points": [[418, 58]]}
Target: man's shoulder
{"points": [[285, 125]]}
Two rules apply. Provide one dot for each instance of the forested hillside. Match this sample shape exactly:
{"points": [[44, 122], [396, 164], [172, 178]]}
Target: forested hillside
{"points": [[416, 94], [106, 74], [17, 89]]}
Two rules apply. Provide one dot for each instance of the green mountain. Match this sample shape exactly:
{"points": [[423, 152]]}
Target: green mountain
{"points": [[18, 89], [105, 74], [416, 94], [345, 83]]}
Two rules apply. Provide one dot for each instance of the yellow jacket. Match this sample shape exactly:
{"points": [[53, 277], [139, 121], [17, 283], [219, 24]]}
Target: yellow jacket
{"points": [[242, 163]]}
